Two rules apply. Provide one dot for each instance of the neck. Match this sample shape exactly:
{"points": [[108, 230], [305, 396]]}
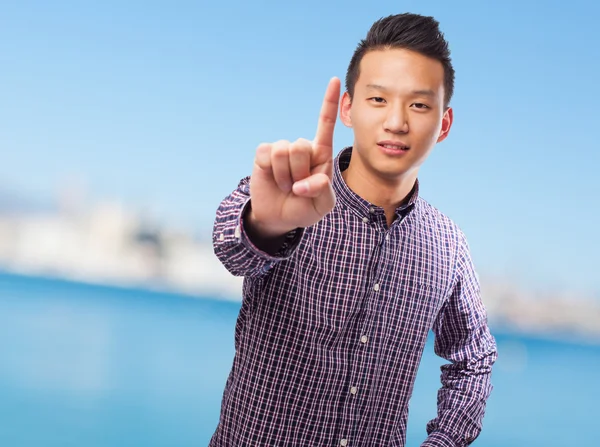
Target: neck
{"points": [[387, 193]]}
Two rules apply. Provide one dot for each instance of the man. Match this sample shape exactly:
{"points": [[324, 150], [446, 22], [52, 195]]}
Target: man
{"points": [[347, 269]]}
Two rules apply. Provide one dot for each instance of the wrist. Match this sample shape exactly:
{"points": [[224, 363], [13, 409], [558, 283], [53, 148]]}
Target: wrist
{"points": [[263, 230]]}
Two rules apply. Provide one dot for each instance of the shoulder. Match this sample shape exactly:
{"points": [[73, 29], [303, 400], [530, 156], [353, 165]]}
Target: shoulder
{"points": [[439, 224], [447, 236]]}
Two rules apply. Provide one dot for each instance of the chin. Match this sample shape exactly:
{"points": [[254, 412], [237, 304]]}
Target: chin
{"points": [[392, 174], [388, 169]]}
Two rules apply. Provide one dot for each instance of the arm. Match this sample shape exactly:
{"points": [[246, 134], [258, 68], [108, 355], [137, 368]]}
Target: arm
{"points": [[462, 337], [290, 188], [238, 247]]}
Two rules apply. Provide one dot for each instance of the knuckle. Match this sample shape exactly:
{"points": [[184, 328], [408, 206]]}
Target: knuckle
{"points": [[303, 142], [281, 149], [298, 148], [262, 155], [327, 119], [263, 148]]}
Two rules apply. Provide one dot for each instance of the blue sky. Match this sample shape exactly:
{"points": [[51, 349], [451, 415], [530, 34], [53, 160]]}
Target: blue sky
{"points": [[161, 105]]}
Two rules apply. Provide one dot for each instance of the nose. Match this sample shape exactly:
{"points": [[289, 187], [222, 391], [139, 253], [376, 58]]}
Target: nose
{"points": [[396, 120]]}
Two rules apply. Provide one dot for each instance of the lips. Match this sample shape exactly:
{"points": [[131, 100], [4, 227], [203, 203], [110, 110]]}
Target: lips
{"points": [[393, 145]]}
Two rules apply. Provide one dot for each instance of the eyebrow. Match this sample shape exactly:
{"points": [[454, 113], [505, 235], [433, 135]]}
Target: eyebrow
{"points": [[377, 87], [422, 92]]}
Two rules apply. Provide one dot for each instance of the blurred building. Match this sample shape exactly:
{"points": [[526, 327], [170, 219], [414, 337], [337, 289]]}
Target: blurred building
{"points": [[109, 244]]}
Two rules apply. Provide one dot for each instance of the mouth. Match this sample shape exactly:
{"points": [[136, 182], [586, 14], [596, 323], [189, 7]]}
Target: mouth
{"points": [[393, 147]]}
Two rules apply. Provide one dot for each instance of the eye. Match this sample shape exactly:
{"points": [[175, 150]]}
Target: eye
{"points": [[420, 106], [377, 99]]}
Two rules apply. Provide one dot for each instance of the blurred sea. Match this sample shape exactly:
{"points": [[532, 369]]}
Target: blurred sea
{"points": [[84, 365]]}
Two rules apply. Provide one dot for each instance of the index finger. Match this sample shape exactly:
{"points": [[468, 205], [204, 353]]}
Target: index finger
{"points": [[323, 142]]}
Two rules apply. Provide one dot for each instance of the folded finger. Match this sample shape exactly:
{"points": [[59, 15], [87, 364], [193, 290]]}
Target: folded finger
{"points": [[300, 153], [280, 164]]}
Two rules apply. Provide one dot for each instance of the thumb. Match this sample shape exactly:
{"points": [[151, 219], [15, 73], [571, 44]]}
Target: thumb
{"points": [[311, 186], [319, 188]]}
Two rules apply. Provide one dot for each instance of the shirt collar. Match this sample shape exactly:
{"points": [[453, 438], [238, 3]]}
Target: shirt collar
{"points": [[351, 200]]}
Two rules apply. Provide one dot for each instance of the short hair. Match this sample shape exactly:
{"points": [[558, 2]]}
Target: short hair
{"points": [[413, 32]]}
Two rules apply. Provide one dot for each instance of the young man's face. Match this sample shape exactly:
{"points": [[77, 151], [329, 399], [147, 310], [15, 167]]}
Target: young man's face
{"points": [[397, 112]]}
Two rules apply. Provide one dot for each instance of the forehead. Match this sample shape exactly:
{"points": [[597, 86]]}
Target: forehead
{"points": [[401, 69]]}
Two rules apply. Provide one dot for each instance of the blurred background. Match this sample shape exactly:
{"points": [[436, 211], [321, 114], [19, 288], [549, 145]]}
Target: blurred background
{"points": [[124, 124]]}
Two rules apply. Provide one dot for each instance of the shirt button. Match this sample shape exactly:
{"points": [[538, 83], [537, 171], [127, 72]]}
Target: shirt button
{"points": [[371, 210], [387, 237], [238, 232], [222, 237], [344, 442], [364, 339], [376, 287], [353, 390], [365, 219]]}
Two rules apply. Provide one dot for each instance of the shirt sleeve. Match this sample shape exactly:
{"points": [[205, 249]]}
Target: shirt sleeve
{"points": [[231, 243], [462, 336]]}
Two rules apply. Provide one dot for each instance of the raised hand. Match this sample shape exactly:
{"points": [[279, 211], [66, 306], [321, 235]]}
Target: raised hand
{"points": [[291, 184]]}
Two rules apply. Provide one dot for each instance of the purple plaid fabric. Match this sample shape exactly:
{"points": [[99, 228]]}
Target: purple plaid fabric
{"points": [[332, 328]]}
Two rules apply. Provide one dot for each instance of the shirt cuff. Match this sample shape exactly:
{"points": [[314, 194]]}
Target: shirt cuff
{"points": [[440, 439], [287, 249]]}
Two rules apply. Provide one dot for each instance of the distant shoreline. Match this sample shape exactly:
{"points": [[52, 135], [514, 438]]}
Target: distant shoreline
{"points": [[498, 327]]}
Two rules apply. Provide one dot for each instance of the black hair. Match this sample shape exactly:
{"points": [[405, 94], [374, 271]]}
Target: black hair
{"points": [[413, 32]]}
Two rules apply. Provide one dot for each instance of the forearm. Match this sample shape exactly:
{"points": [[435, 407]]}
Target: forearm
{"points": [[466, 386]]}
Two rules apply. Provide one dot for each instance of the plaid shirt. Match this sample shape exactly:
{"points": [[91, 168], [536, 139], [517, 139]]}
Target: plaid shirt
{"points": [[332, 328]]}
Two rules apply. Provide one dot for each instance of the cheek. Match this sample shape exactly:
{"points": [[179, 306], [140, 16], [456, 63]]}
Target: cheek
{"points": [[364, 119], [426, 128]]}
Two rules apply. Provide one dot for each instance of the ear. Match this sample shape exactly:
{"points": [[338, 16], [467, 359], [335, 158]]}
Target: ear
{"points": [[447, 120], [345, 107]]}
